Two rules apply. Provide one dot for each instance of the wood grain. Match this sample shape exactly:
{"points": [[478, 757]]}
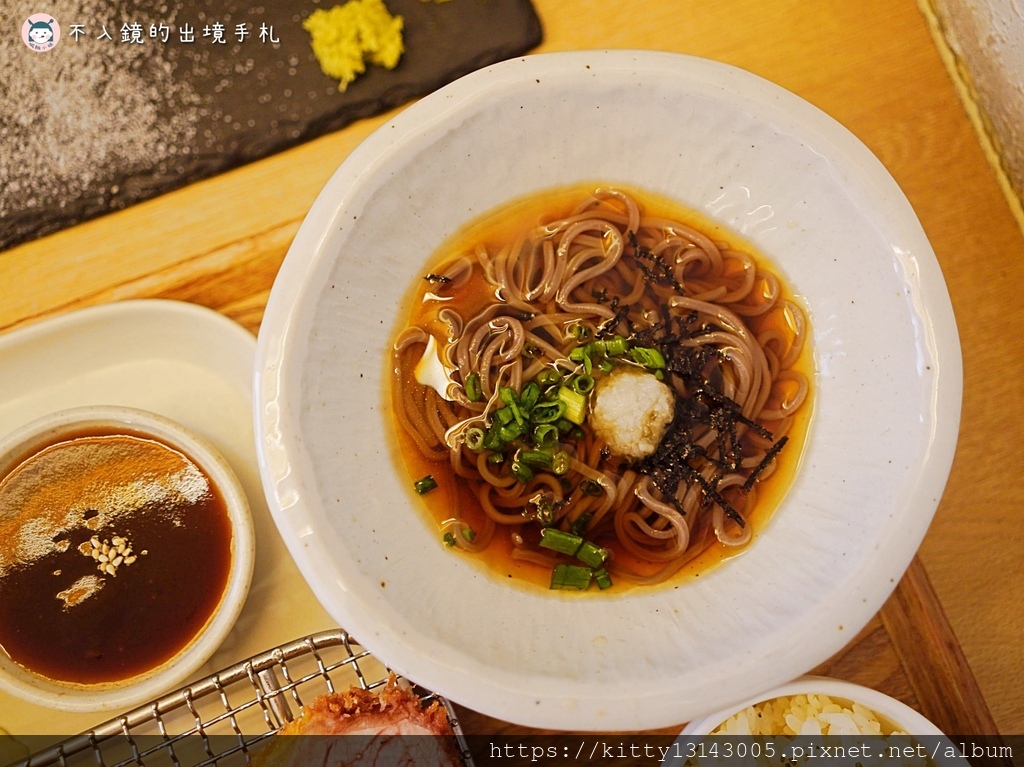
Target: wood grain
{"points": [[908, 650], [931, 658]]}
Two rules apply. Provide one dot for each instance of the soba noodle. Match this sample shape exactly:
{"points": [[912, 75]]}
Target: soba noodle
{"points": [[571, 304]]}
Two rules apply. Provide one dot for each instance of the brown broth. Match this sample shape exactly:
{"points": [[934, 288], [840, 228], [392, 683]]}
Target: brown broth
{"points": [[498, 228], [61, 617]]}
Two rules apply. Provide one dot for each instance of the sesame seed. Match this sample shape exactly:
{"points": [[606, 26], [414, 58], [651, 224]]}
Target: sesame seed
{"points": [[109, 555]]}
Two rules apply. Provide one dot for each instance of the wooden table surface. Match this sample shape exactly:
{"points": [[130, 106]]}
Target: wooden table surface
{"points": [[951, 639]]}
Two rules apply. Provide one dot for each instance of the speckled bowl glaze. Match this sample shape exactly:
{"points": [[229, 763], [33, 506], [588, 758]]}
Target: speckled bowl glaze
{"points": [[743, 152], [115, 696]]}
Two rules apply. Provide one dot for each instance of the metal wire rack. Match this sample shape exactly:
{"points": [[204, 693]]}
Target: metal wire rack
{"points": [[219, 719]]}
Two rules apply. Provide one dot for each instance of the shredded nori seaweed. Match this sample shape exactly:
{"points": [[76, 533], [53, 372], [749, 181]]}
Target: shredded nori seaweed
{"points": [[607, 328], [772, 452], [659, 271], [678, 457]]}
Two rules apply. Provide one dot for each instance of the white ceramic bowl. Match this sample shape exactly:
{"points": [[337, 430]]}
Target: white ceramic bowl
{"points": [[896, 714], [741, 151], [29, 439]]}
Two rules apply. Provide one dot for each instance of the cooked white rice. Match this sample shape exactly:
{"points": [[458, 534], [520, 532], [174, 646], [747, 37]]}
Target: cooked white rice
{"points": [[785, 722], [806, 715]]}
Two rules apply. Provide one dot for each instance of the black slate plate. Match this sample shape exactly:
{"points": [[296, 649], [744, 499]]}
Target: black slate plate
{"points": [[98, 124]]}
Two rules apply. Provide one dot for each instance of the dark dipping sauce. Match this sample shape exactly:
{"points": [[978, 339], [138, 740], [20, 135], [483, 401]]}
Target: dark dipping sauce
{"points": [[63, 614]]}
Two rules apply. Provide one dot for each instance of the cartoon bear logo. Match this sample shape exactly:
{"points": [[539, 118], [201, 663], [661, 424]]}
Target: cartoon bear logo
{"points": [[40, 32]]}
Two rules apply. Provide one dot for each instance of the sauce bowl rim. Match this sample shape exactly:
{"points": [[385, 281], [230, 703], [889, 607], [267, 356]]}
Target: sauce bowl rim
{"points": [[23, 442]]}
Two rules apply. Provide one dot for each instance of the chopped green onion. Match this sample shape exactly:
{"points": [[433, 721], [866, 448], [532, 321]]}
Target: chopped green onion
{"points": [[449, 540], [565, 576], [602, 578], [545, 435], [575, 404], [591, 554], [504, 415], [548, 377], [590, 487], [473, 391], [425, 485], [536, 458], [560, 541], [468, 533], [496, 458], [564, 425], [475, 438], [648, 357], [582, 384], [508, 395], [615, 346], [517, 413], [511, 431], [605, 366], [545, 512], [578, 330], [560, 462], [547, 412], [521, 471], [529, 397], [493, 440], [580, 525], [582, 354]]}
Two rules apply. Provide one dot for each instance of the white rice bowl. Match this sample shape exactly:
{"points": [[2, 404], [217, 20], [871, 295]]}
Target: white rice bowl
{"points": [[812, 712]]}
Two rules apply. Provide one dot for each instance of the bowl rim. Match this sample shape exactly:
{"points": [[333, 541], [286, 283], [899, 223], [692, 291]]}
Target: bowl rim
{"points": [[23, 442], [345, 188], [896, 711]]}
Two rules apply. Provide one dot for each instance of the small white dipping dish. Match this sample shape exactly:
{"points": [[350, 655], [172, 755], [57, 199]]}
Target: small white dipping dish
{"points": [[140, 685], [893, 714]]}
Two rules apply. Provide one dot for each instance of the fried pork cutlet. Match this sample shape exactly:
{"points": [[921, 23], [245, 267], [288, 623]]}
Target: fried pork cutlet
{"points": [[386, 728]]}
